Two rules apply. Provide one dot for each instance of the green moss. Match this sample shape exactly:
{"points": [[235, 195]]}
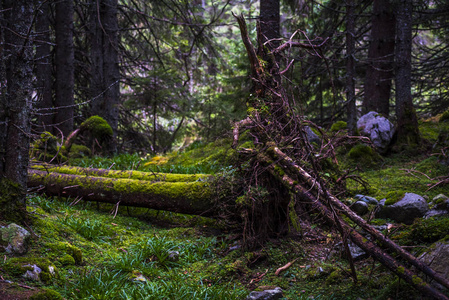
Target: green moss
{"points": [[425, 231], [64, 248], [401, 270], [17, 266], [339, 125], [98, 127], [67, 260], [47, 294], [78, 151], [12, 209], [334, 277], [418, 281], [393, 197]]}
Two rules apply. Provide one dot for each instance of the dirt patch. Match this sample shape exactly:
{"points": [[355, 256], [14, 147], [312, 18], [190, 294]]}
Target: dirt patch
{"points": [[14, 291]]}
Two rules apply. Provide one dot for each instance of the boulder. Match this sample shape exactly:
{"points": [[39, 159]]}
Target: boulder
{"points": [[360, 207], [437, 257], [378, 128], [14, 239], [273, 294], [440, 208], [411, 206], [312, 137]]}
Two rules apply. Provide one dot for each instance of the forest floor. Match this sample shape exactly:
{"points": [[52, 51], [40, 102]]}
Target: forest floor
{"points": [[137, 253]]}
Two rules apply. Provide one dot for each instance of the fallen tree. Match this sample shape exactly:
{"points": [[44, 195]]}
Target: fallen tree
{"points": [[183, 197]]}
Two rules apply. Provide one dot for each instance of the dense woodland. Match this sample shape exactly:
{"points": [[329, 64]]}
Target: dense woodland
{"points": [[253, 80]]}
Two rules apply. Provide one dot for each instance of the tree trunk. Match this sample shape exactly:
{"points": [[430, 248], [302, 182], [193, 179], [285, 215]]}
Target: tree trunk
{"points": [[407, 123], [44, 82], [379, 71], [111, 69], [105, 72], [350, 68], [65, 69], [181, 197], [16, 89]]}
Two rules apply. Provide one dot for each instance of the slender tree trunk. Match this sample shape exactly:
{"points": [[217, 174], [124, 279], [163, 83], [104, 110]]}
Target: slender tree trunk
{"points": [[111, 69], [105, 72], [350, 68], [379, 72], [64, 62], [16, 88], [44, 82], [407, 123], [96, 59]]}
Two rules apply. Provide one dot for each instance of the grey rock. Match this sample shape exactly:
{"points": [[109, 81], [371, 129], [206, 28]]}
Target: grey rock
{"points": [[266, 295], [367, 199], [173, 255], [436, 213], [357, 253], [411, 206], [312, 137], [378, 128], [34, 273], [437, 258], [360, 208], [15, 238]]}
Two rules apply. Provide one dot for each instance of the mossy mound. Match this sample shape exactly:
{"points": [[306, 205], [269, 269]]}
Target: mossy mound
{"points": [[426, 231], [339, 125], [47, 294], [79, 151], [98, 127], [63, 250], [364, 155]]}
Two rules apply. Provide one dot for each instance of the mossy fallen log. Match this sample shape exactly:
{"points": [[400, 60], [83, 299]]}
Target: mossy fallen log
{"points": [[182, 197], [125, 174]]}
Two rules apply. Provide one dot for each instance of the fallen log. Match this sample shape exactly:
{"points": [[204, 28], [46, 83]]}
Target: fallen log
{"points": [[182, 197], [126, 174]]}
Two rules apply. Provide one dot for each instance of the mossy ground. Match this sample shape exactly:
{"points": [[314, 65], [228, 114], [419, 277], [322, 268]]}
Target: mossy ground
{"points": [[124, 254]]}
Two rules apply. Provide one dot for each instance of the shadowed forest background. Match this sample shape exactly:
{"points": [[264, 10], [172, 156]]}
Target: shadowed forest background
{"points": [[234, 123]]}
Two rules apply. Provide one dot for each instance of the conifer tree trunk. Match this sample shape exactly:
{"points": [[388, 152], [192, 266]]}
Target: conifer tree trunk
{"points": [[44, 82], [16, 69], [407, 123], [350, 68], [379, 71], [105, 73], [65, 69]]}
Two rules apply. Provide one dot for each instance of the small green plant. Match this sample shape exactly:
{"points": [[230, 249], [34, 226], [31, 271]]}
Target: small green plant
{"points": [[87, 228], [98, 285]]}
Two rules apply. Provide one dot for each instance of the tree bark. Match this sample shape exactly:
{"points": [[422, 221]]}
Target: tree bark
{"points": [[44, 82], [350, 68], [105, 72], [16, 91], [181, 197], [407, 122], [379, 71], [65, 68]]}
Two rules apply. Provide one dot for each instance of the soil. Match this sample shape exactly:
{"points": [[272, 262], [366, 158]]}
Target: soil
{"points": [[15, 291]]}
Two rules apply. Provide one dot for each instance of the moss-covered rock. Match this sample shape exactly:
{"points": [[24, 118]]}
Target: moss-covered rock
{"points": [[339, 125], [364, 155], [14, 239], [18, 266], [98, 127]]}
